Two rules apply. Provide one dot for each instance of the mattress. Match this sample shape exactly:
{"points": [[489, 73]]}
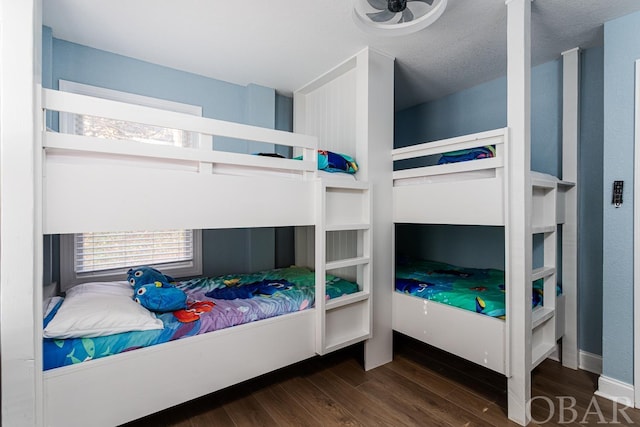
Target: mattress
{"points": [[481, 290], [234, 300]]}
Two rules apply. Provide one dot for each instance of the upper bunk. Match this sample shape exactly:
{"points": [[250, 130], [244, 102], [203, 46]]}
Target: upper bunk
{"points": [[464, 180], [97, 184]]}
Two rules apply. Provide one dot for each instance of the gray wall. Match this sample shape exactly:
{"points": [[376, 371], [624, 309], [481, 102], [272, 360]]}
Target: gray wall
{"points": [[622, 48], [482, 108]]}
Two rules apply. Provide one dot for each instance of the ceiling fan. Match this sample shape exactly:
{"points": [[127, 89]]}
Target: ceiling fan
{"points": [[396, 17], [389, 9]]}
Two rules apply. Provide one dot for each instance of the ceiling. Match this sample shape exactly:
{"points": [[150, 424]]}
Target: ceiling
{"points": [[285, 44]]}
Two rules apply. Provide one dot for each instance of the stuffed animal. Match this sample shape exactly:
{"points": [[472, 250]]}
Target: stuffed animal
{"points": [[144, 275], [153, 290]]}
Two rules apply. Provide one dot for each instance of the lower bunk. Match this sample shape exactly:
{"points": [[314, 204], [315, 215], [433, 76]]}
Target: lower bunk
{"points": [[460, 310], [254, 324]]}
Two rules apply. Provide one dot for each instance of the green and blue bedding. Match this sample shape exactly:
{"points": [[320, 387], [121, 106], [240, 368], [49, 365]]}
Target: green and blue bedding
{"points": [[481, 290], [468, 154], [213, 303]]}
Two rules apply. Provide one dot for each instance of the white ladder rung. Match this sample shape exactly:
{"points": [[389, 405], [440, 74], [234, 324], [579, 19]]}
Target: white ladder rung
{"points": [[347, 227], [349, 262], [541, 315], [541, 352], [543, 229], [346, 300], [542, 272]]}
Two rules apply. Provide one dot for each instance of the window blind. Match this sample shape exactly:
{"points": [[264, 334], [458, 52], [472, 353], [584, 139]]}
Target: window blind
{"points": [[108, 251]]}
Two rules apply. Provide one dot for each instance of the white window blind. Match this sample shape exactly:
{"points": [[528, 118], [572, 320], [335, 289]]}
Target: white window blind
{"points": [[108, 251], [106, 256]]}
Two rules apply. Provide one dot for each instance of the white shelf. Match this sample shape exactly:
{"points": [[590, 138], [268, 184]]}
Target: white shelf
{"points": [[566, 184], [355, 185], [349, 262], [541, 352], [346, 300], [337, 342], [347, 227], [540, 229], [542, 272], [540, 316]]}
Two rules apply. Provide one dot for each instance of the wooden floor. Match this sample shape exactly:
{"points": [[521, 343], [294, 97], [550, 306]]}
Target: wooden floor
{"points": [[421, 387]]}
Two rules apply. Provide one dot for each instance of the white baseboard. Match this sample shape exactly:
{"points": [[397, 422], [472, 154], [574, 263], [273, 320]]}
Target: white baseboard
{"points": [[590, 362], [586, 361], [615, 390]]}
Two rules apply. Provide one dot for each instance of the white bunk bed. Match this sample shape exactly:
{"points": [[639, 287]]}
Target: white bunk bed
{"points": [[123, 387], [475, 194], [501, 191]]}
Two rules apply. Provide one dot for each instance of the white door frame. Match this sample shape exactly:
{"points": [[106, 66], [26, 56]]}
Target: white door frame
{"points": [[636, 242]]}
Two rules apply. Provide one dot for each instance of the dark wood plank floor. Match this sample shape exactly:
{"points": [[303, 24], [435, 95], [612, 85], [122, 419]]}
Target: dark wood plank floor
{"points": [[421, 387]]}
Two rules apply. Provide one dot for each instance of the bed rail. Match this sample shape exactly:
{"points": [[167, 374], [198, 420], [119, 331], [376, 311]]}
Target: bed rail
{"points": [[466, 192], [495, 137], [59, 101], [89, 182]]}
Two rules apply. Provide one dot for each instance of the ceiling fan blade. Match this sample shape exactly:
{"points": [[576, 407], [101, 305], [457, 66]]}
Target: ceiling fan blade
{"points": [[378, 4], [383, 16], [407, 16], [429, 2]]}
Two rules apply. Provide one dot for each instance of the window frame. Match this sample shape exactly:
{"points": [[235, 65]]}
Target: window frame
{"points": [[68, 276]]}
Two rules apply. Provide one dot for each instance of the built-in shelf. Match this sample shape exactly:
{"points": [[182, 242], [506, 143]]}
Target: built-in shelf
{"points": [[566, 184], [542, 272], [540, 352], [346, 300], [349, 262], [336, 342], [540, 183], [540, 229], [347, 227], [355, 185], [540, 315]]}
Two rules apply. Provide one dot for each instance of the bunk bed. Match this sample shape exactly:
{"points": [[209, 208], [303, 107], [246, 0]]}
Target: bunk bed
{"points": [[224, 189], [475, 195], [474, 185]]}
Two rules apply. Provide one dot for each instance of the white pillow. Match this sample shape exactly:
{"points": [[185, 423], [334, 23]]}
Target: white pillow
{"points": [[98, 309]]}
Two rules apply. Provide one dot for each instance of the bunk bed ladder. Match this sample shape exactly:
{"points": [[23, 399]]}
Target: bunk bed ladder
{"points": [[543, 319], [343, 249]]}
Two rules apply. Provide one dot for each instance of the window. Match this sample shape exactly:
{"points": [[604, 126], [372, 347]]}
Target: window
{"points": [[107, 256]]}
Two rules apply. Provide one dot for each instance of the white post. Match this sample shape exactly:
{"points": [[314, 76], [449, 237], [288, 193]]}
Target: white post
{"points": [[378, 136], [518, 239], [20, 213], [570, 137]]}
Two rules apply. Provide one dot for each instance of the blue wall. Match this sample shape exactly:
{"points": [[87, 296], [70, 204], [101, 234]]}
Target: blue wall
{"points": [[224, 251], [622, 48], [484, 107]]}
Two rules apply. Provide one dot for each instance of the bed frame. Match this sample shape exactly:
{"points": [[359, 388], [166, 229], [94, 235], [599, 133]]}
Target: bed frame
{"points": [[475, 194], [107, 173], [501, 191]]}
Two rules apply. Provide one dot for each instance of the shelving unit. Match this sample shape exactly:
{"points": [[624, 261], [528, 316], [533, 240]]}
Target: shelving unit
{"points": [[345, 320], [543, 221]]}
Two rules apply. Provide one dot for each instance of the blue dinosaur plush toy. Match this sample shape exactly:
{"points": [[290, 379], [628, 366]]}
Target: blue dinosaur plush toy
{"points": [[153, 290]]}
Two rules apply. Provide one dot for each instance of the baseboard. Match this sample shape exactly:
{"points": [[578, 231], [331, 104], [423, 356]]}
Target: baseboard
{"points": [[586, 361], [615, 390], [590, 362]]}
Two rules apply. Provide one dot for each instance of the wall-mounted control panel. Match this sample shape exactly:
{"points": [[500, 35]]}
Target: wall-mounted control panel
{"points": [[616, 199]]}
